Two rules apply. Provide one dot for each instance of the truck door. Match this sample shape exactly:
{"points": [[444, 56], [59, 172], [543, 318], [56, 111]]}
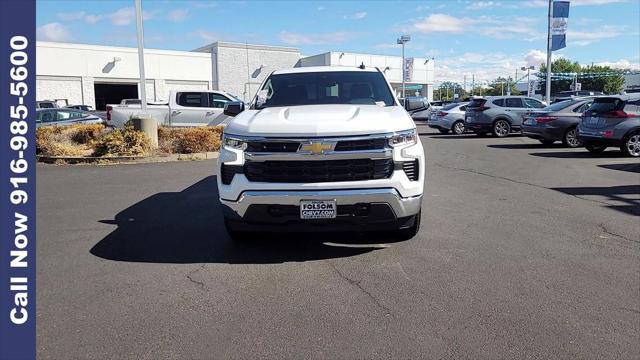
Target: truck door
{"points": [[189, 109], [214, 115]]}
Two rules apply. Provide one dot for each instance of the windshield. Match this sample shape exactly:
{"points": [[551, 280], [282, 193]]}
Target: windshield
{"points": [[559, 105], [336, 87]]}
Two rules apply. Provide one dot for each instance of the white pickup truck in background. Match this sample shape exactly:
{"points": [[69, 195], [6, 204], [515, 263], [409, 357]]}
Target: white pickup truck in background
{"points": [[184, 108]]}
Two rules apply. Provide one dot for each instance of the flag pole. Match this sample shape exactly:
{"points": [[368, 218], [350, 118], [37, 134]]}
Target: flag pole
{"points": [[548, 84]]}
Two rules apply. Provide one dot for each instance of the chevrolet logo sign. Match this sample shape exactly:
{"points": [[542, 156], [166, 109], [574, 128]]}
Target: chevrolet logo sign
{"points": [[316, 147]]}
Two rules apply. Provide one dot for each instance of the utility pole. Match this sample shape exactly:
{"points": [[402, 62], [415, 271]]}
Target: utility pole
{"points": [[464, 83], [473, 83], [548, 84]]}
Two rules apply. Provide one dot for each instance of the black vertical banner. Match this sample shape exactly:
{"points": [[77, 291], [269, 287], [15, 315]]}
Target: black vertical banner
{"points": [[17, 180]]}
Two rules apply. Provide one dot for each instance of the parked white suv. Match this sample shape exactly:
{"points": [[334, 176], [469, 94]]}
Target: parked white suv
{"points": [[321, 148]]}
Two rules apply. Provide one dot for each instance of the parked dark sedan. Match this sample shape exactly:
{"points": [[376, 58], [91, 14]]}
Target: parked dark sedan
{"points": [[557, 122], [47, 117]]}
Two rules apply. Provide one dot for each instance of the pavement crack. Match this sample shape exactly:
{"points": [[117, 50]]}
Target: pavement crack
{"points": [[608, 232], [490, 175], [199, 283], [356, 283], [519, 182]]}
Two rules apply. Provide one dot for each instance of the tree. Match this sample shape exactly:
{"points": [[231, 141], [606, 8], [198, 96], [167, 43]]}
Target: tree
{"points": [[446, 91], [501, 86], [610, 84]]}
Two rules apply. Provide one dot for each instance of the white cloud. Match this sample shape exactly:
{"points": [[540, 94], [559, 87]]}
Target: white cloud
{"points": [[53, 32], [441, 23], [71, 16], [357, 16], [203, 5], [621, 64], [545, 3], [535, 58], [477, 5], [486, 66], [92, 19], [583, 38], [595, 2], [127, 15], [208, 36], [178, 15], [314, 39], [496, 27]]}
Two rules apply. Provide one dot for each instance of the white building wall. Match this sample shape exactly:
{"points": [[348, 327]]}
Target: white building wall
{"points": [[93, 63], [59, 87], [241, 68]]}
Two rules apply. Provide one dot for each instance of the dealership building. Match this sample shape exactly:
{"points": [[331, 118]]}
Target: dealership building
{"points": [[97, 75]]}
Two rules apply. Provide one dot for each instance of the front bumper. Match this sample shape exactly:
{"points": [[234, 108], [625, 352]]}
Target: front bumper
{"points": [[400, 206]]}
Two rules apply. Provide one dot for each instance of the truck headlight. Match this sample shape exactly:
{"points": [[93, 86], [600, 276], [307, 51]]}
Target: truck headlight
{"points": [[402, 138], [234, 143]]}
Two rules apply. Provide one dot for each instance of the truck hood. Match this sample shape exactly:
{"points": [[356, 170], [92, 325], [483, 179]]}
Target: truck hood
{"points": [[320, 120]]}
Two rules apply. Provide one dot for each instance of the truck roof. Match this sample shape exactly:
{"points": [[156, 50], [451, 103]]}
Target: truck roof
{"points": [[311, 69]]}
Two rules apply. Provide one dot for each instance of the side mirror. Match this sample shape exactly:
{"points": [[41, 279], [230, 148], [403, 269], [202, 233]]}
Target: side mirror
{"points": [[233, 108]]}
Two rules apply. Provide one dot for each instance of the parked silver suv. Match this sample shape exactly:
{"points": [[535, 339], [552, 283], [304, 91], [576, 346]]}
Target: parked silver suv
{"points": [[499, 115], [612, 121]]}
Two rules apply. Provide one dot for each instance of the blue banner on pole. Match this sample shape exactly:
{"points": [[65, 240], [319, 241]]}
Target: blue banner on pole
{"points": [[17, 183], [560, 15]]}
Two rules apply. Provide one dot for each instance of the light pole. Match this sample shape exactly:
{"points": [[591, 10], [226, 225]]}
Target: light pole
{"points": [[403, 40], [529, 68], [140, 36]]}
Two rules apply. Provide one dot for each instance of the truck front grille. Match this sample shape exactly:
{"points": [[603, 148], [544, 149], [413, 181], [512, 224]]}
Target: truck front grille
{"points": [[271, 146], [368, 144], [318, 170]]}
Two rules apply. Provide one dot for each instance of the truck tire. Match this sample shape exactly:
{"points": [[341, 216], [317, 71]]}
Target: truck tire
{"points": [[410, 232]]}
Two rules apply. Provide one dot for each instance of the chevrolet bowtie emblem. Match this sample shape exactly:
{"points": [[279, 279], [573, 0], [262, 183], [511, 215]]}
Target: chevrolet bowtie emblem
{"points": [[316, 147]]}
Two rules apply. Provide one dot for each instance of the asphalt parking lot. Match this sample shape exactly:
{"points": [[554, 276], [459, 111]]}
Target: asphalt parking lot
{"points": [[525, 251]]}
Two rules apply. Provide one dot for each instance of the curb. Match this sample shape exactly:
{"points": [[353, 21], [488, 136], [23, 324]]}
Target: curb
{"points": [[112, 160]]}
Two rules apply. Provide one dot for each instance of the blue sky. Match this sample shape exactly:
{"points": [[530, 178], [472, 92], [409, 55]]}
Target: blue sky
{"points": [[485, 38]]}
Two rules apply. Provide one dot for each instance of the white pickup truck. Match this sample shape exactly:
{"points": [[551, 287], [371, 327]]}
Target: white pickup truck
{"points": [[321, 148], [184, 108]]}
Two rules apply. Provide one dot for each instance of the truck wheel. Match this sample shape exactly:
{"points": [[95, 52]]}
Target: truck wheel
{"points": [[458, 127], [570, 138], [412, 231], [595, 149], [501, 128], [235, 235], [631, 144]]}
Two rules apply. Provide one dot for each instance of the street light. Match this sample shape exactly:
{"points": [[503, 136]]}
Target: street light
{"points": [[529, 68], [403, 40]]}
